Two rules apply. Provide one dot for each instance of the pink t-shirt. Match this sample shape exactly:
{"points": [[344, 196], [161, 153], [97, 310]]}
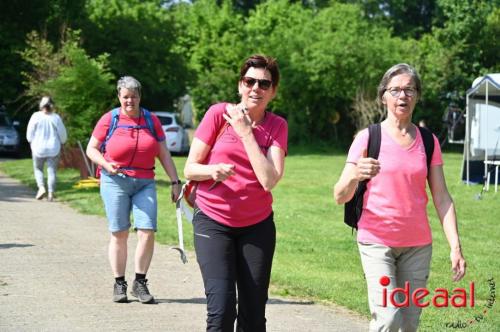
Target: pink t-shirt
{"points": [[240, 200], [394, 205], [122, 144]]}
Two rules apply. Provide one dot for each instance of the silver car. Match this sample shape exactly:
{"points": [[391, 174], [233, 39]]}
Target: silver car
{"points": [[9, 136], [177, 135]]}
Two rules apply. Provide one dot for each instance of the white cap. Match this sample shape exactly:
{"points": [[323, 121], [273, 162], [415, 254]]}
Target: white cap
{"points": [[46, 102]]}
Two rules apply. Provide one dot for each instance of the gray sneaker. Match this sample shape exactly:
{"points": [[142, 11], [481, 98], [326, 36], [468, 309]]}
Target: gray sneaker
{"points": [[141, 291], [120, 292]]}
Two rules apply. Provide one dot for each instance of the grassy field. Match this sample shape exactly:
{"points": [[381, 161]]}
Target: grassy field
{"points": [[316, 256]]}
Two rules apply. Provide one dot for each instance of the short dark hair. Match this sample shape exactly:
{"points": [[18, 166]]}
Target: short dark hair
{"points": [[400, 68], [262, 61]]}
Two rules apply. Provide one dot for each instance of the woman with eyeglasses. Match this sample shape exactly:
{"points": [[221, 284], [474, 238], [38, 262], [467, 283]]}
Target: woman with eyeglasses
{"points": [[125, 144], [238, 157], [394, 236]]}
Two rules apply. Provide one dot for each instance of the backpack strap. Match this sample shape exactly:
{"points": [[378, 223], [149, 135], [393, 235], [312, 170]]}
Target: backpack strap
{"points": [[428, 145], [354, 208], [113, 123], [374, 140], [149, 123]]}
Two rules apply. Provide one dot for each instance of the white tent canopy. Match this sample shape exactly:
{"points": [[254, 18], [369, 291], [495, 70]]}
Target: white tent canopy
{"points": [[482, 126]]}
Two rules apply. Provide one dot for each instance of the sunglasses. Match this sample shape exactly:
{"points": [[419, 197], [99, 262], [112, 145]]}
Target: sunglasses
{"points": [[249, 82]]}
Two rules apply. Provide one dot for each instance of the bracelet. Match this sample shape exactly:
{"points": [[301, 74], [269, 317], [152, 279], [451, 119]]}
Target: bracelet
{"points": [[175, 182]]}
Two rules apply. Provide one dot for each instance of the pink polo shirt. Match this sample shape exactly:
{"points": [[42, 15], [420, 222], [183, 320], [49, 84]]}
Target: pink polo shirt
{"points": [[131, 147], [394, 206], [240, 200]]}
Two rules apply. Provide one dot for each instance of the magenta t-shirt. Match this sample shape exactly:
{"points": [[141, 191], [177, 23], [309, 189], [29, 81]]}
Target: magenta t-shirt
{"points": [[121, 147], [240, 200], [394, 205]]}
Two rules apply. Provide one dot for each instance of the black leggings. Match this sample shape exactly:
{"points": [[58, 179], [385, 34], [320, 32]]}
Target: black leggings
{"points": [[235, 255]]}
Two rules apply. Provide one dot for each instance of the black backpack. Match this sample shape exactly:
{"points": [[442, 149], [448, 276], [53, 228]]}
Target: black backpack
{"points": [[354, 208]]}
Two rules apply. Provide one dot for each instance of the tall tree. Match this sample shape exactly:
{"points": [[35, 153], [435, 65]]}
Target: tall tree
{"points": [[17, 19], [140, 37], [214, 45], [80, 85]]}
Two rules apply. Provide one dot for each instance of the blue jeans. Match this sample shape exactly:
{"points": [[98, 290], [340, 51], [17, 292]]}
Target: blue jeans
{"points": [[122, 194]]}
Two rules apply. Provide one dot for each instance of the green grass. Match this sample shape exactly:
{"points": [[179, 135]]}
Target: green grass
{"points": [[316, 255]]}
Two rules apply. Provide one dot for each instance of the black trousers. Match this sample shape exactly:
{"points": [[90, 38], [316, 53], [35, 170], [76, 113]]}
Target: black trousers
{"points": [[231, 257]]}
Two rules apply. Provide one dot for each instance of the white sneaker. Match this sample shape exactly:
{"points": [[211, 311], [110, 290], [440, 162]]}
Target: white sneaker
{"points": [[51, 197], [40, 193]]}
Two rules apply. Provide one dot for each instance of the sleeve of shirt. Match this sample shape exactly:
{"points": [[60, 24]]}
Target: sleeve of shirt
{"points": [[158, 128], [358, 145], [437, 156], [102, 126], [281, 138], [211, 123], [61, 130], [30, 131]]}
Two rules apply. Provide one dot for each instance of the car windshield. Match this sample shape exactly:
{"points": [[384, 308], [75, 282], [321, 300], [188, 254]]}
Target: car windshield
{"points": [[165, 120]]}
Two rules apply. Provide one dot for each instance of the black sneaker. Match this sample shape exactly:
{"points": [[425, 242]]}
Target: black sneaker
{"points": [[120, 292], [141, 291]]}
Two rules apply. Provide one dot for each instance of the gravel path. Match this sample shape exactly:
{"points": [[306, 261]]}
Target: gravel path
{"points": [[54, 276]]}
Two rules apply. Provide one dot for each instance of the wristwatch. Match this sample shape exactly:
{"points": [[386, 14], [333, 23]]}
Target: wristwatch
{"points": [[175, 182]]}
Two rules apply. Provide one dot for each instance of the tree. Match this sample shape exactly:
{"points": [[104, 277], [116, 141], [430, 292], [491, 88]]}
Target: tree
{"points": [[80, 85], [452, 56], [325, 57], [140, 37], [214, 45]]}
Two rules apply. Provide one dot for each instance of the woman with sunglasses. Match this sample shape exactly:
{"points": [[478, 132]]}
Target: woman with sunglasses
{"points": [[394, 236], [238, 157]]}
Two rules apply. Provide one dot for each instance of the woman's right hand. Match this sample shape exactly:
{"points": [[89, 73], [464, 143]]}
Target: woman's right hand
{"points": [[366, 167], [221, 171], [112, 168]]}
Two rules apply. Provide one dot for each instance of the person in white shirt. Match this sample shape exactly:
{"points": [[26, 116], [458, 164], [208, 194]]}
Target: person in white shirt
{"points": [[46, 133]]}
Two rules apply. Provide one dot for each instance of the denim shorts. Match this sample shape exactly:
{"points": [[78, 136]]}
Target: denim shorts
{"points": [[122, 194]]}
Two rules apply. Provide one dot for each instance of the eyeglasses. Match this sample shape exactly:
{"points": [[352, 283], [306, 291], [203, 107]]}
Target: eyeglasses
{"points": [[250, 82], [396, 92]]}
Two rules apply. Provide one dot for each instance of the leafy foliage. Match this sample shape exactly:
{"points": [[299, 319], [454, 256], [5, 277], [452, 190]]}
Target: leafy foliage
{"points": [[327, 50], [214, 46], [80, 86], [140, 37]]}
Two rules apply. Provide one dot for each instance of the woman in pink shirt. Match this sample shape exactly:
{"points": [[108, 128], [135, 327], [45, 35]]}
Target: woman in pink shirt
{"points": [[394, 237], [238, 157], [126, 155]]}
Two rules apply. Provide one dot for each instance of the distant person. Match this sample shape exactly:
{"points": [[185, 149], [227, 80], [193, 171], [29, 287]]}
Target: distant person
{"points": [[127, 162], [238, 157], [46, 134], [394, 236]]}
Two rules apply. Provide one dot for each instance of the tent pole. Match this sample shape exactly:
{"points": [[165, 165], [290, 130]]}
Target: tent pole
{"points": [[486, 141]]}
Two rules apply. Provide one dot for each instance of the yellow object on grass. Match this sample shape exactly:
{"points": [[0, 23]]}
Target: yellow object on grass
{"points": [[90, 182]]}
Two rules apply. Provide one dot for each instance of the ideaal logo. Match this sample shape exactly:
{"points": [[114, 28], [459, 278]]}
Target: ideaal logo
{"points": [[460, 298]]}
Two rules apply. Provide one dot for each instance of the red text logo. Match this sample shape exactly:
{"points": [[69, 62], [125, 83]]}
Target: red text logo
{"points": [[460, 297]]}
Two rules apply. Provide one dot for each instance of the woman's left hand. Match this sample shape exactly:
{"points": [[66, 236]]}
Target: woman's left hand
{"points": [[238, 118], [458, 264], [175, 191]]}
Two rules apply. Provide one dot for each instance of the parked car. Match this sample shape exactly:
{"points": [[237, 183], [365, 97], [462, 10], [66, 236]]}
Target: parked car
{"points": [[177, 135], [9, 135]]}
